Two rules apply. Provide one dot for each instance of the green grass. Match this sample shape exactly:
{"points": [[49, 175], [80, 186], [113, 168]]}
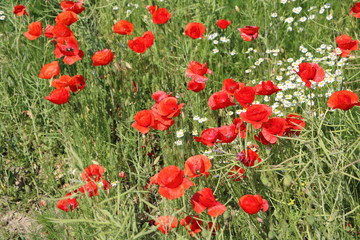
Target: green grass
{"points": [[44, 147]]}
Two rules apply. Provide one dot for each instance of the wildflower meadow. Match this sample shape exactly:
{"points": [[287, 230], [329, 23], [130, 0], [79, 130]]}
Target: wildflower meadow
{"points": [[179, 119]]}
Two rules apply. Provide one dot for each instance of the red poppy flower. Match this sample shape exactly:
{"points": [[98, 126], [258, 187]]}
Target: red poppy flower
{"points": [[50, 70], [310, 71], [205, 199], [248, 157], [266, 88], [69, 48], [227, 134], [249, 33], [59, 96], [222, 23], [261, 138], [76, 83], [166, 223], [67, 204], [49, 31], [208, 137], [197, 71], [168, 107], [346, 45], [123, 27], [58, 31], [294, 122], [158, 96], [161, 16], [89, 188], [75, 7], [105, 184], [195, 30], [195, 86], [137, 44], [274, 127], [93, 173], [230, 86], [245, 96], [102, 57], [241, 127], [67, 18], [355, 10], [252, 204], [143, 120], [20, 10], [256, 114], [35, 31], [172, 182], [236, 173], [151, 9], [162, 123], [220, 100], [192, 224], [149, 38], [344, 100], [196, 166]]}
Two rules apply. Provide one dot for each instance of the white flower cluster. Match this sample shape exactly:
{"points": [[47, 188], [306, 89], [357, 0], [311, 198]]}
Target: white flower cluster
{"points": [[2, 16]]}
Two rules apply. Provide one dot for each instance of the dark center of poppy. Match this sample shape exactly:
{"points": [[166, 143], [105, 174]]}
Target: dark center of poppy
{"points": [[70, 49], [197, 171]]}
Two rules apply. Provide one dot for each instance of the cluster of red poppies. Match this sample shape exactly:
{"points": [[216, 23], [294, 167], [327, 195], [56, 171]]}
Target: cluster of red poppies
{"points": [[161, 115], [93, 176], [173, 182]]}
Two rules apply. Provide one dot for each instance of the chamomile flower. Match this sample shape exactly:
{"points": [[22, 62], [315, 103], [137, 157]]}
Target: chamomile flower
{"points": [[207, 152], [266, 98], [312, 16], [279, 78], [329, 17], [115, 8], [322, 10], [194, 133], [303, 19], [180, 133], [288, 97], [212, 36], [248, 71], [215, 50], [215, 42], [283, 1], [297, 10], [279, 63], [327, 5], [224, 39], [229, 113], [178, 142], [289, 20], [233, 52], [2, 17], [274, 15], [204, 119], [196, 118]]}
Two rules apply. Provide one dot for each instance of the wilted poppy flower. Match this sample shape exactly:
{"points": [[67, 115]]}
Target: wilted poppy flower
{"points": [[220, 100], [89, 188], [102, 57], [344, 100], [69, 48], [59, 96], [50, 70], [252, 204], [196, 166], [192, 224], [166, 223], [143, 120], [205, 199], [67, 18], [266, 88], [310, 71], [208, 137], [230, 86], [245, 96], [249, 33], [158, 96], [355, 10], [274, 127], [195, 30], [67, 204], [227, 134], [168, 107], [248, 157], [75, 7], [172, 182], [35, 31], [161, 16], [93, 173], [294, 122], [197, 71], [195, 86], [241, 127], [236, 173], [346, 45], [123, 27], [149, 38], [256, 114], [76, 83], [222, 23], [20, 10]]}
